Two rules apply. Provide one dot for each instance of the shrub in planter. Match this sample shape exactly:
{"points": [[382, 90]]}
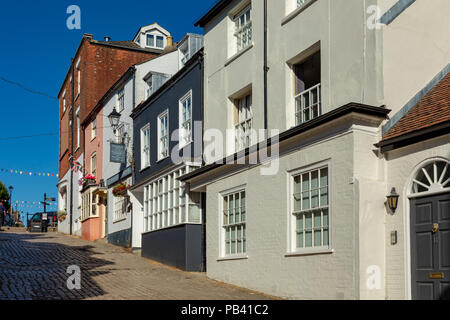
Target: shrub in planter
{"points": [[89, 179]]}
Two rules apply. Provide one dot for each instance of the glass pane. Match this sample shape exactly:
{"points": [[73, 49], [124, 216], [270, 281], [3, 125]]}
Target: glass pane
{"points": [[300, 240], [233, 241], [243, 217], [239, 240], [300, 223], [325, 218], [308, 221], [325, 237], [314, 179], [324, 197], [225, 210], [308, 239], [317, 238], [231, 210], [305, 201], [236, 208], [305, 182], [324, 177], [315, 199], [317, 219]]}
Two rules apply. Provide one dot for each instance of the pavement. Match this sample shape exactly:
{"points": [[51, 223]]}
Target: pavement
{"points": [[35, 267]]}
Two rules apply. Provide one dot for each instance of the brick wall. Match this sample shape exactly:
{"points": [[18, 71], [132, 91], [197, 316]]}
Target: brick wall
{"points": [[101, 66]]}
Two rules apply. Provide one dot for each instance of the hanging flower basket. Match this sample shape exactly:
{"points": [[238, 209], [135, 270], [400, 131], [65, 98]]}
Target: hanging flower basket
{"points": [[120, 190], [87, 180], [62, 216]]}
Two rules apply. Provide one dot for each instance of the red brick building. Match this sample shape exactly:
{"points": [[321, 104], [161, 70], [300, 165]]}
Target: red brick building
{"points": [[95, 67]]}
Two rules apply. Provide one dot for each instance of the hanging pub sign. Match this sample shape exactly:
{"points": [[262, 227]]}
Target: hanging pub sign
{"points": [[117, 153]]}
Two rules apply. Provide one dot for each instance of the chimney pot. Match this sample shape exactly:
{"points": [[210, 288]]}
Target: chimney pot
{"points": [[107, 39]]}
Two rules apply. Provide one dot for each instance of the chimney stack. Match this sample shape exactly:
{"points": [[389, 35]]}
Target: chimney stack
{"points": [[169, 41]]}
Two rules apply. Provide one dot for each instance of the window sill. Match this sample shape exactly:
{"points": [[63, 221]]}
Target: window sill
{"points": [[119, 220], [231, 258], [296, 12], [162, 159], [309, 252], [172, 226], [237, 55]]}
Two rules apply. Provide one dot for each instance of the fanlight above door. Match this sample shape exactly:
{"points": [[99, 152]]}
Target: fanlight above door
{"points": [[433, 177]]}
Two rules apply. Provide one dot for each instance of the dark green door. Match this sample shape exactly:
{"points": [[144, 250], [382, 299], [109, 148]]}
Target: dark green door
{"points": [[430, 248]]}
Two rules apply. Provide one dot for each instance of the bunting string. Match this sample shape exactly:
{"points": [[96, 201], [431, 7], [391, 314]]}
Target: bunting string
{"points": [[29, 173]]}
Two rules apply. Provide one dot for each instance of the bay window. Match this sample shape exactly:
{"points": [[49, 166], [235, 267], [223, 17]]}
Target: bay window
{"points": [[167, 202]]}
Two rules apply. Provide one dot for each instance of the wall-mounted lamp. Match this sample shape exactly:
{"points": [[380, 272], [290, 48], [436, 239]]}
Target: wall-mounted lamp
{"points": [[392, 200], [114, 119]]}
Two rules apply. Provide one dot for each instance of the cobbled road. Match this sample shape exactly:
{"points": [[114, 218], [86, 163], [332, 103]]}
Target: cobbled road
{"points": [[34, 267]]}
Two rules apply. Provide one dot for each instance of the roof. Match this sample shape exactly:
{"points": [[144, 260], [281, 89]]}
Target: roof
{"points": [[379, 112], [214, 11], [126, 45], [432, 110]]}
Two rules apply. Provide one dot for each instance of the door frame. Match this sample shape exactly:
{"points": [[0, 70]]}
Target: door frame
{"points": [[407, 197]]}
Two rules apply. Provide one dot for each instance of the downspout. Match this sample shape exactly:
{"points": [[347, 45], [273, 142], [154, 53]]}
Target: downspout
{"points": [[203, 195], [266, 69], [71, 149]]}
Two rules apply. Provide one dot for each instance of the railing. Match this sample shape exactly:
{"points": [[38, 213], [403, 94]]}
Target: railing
{"points": [[308, 105]]}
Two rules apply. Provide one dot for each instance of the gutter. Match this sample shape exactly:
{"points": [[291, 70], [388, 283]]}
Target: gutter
{"points": [[266, 70]]}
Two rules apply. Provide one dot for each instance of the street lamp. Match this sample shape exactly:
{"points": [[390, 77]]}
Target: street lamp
{"points": [[11, 188], [114, 119]]}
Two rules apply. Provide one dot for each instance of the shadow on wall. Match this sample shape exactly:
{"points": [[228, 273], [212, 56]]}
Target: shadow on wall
{"points": [[31, 270]]}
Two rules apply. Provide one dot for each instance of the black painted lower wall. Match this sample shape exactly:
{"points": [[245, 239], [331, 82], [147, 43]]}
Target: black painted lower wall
{"points": [[179, 246], [120, 238]]}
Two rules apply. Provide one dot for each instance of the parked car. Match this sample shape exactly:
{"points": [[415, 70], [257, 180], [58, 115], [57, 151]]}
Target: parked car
{"points": [[35, 222]]}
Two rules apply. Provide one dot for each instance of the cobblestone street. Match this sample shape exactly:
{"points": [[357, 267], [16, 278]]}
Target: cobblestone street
{"points": [[34, 266]]}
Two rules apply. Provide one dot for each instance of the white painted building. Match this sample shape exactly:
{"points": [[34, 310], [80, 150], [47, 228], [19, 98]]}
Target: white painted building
{"points": [[319, 228], [130, 90]]}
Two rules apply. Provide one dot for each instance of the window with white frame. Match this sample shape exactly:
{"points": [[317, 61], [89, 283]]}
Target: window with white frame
{"points": [[243, 122], [155, 41], [160, 42], [79, 76], [121, 204], [154, 81], [64, 101], [121, 100], [167, 202], [94, 164], [150, 40], [89, 205], [185, 116], [307, 91], [145, 147], [310, 208], [243, 29], [94, 129], [163, 135], [234, 226], [149, 90], [77, 115]]}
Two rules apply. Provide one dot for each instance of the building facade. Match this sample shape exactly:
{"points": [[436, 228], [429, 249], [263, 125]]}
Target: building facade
{"points": [[95, 67], [167, 145], [131, 90], [321, 77]]}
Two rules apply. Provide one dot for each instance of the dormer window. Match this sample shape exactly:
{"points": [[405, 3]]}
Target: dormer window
{"points": [[155, 41], [189, 46]]}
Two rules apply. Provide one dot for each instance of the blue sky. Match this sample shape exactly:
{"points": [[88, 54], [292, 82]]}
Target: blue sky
{"points": [[36, 48]]}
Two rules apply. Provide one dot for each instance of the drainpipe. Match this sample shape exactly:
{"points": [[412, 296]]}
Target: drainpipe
{"points": [[266, 69], [132, 158], [71, 149]]}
